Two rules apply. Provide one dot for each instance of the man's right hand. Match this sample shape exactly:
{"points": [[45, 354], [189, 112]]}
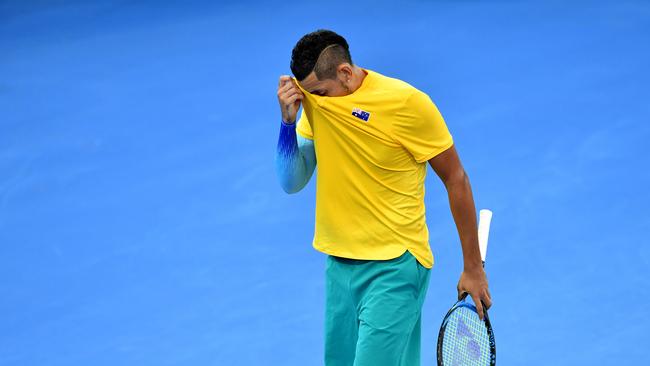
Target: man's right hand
{"points": [[289, 96]]}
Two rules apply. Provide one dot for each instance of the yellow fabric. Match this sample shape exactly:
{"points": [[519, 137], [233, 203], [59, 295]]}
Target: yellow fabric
{"points": [[370, 174]]}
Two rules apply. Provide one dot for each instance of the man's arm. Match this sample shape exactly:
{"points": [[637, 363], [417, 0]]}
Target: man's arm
{"points": [[295, 158], [473, 280]]}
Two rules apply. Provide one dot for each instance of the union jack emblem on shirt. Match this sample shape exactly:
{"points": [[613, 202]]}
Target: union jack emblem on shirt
{"points": [[361, 114]]}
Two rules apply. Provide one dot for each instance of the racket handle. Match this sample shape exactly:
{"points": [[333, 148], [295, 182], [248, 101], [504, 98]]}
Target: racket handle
{"points": [[485, 217]]}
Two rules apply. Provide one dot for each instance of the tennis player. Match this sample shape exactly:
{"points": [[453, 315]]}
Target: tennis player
{"points": [[372, 136]]}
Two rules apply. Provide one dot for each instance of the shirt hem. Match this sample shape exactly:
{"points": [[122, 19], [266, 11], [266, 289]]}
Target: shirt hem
{"points": [[344, 254]]}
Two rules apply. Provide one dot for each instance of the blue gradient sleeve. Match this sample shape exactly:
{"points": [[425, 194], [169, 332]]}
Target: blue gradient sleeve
{"points": [[295, 158]]}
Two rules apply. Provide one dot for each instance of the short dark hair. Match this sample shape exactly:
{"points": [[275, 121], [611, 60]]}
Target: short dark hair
{"points": [[305, 55]]}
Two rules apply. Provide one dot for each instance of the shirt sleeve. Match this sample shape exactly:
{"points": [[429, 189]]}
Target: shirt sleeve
{"points": [[420, 128], [303, 126]]}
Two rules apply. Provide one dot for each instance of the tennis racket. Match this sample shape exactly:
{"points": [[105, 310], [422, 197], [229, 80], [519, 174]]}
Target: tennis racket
{"points": [[464, 339]]}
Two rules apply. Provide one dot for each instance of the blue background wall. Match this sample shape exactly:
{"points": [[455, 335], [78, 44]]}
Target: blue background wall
{"points": [[141, 222]]}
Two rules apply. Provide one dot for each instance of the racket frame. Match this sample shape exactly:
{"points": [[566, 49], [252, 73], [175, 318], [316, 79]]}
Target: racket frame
{"points": [[485, 219], [441, 334]]}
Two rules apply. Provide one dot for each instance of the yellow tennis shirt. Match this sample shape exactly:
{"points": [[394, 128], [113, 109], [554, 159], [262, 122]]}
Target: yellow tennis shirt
{"points": [[372, 148]]}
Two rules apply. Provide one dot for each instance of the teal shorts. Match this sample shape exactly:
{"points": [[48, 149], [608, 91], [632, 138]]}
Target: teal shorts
{"points": [[372, 312]]}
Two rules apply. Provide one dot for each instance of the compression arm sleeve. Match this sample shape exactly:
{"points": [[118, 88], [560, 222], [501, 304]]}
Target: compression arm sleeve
{"points": [[295, 158]]}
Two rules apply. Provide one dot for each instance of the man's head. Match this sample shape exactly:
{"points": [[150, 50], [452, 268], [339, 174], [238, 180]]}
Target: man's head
{"points": [[322, 64]]}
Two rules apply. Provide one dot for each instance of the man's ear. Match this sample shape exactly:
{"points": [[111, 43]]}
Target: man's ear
{"points": [[346, 69]]}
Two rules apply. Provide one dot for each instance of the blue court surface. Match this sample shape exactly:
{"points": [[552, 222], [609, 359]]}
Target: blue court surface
{"points": [[141, 221]]}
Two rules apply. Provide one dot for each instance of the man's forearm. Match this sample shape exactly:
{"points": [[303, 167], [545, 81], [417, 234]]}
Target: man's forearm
{"points": [[294, 160], [461, 202]]}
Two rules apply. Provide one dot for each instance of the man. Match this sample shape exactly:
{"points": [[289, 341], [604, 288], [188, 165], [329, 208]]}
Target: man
{"points": [[371, 136]]}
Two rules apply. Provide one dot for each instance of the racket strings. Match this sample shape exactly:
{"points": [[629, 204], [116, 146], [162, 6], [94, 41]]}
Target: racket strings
{"points": [[465, 341]]}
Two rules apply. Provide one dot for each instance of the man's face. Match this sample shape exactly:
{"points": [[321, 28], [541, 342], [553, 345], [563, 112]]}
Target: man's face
{"points": [[327, 87]]}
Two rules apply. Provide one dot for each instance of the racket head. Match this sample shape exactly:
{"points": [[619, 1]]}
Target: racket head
{"points": [[464, 339]]}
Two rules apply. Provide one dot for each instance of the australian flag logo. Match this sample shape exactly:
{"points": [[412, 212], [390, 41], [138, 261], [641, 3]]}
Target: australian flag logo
{"points": [[361, 114]]}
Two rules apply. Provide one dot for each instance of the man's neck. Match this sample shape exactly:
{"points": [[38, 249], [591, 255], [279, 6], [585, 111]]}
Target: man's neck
{"points": [[358, 74]]}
